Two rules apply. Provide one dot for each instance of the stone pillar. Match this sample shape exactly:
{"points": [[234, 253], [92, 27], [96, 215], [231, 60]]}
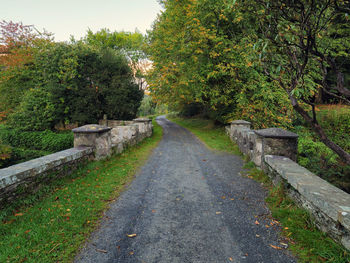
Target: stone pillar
{"points": [[96, 136], [238, 130], [237, 126], [274, 141], [104, 121], [148, 125]]}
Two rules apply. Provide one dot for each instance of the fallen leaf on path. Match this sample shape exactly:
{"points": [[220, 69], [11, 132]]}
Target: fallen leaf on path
{"points": [[153, 211], [131, 235], [218, 213], [275, 247], [257, 222], [231, 259], [257, 235], [267, 226], [204, 160], [131, 253], [232, 199], [101, 250], [223, 197]]}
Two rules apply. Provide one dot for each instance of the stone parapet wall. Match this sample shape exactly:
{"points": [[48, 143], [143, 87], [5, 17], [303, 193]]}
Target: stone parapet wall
{"points": [[23, 178], [275, 151]]}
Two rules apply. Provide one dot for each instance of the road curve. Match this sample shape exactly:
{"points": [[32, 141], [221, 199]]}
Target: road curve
{"points": [[187, 204]]}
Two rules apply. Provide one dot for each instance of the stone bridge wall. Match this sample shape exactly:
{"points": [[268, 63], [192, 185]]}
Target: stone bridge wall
{"points": [[90, 142], [275, 151]]}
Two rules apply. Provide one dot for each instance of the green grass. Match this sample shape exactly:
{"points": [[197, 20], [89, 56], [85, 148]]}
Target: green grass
{"points": [[305, 240], [51, 225], [214, 137]]}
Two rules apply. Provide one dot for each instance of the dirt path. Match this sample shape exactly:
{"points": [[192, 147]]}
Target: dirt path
{"points": [[187, 204]]}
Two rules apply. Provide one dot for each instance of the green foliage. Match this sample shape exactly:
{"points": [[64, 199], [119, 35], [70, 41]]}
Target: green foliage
{"points": [[31, 227], [35, 112], [203, 52], [316, 156], [5, 153], [335, 119], [65, 80], [46, 140], [147, 107], [27, 145]]}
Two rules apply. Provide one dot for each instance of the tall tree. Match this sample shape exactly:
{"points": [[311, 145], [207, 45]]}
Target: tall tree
{"points": [[306, 40]]}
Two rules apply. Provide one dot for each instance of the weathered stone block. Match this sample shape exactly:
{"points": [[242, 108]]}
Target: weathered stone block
{"points": [[238, 125], [96, 136]]}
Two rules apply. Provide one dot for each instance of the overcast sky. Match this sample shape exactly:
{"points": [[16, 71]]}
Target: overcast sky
{"points": [[74, 17]]}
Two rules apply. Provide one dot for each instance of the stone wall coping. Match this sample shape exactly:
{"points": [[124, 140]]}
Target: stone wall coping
{"points": [[142, 120], [331, 200], [91, 128], [276, 133], [18, 172], [238, 122]]}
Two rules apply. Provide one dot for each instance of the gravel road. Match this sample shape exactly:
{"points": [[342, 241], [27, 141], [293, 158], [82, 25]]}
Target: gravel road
{"points": [[187, 204]]}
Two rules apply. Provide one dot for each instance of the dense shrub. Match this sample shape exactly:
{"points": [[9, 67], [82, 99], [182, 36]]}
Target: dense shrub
{"points": [[19, 155], [45, 141], [147, 107], [35, 112], [335, 119], [69, 83], [322, 161]]}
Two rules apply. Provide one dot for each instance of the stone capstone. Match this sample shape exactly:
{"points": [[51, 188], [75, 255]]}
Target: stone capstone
{"points": [[92, 128], [276, 133], [96, 136], [328, 204]]}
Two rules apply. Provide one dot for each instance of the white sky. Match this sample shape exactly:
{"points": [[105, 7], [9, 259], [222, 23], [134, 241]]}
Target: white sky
{"points": [[74, 17]]}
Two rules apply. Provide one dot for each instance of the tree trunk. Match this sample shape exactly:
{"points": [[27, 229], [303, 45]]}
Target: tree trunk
{"points": [[345, 156]]}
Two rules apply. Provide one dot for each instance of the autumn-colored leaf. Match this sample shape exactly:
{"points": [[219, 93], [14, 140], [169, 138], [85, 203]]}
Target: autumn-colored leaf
{"points": [[257, 222], [131, 235], [275, 247], [19, 214]]}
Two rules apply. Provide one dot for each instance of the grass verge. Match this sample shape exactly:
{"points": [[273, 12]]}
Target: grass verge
{"points": [[51, 225], [305, 240], [214, 137]]}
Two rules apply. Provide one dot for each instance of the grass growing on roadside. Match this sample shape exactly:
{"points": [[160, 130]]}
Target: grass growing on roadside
{"points": [[214, 137], [307, 242], [50, 225]]}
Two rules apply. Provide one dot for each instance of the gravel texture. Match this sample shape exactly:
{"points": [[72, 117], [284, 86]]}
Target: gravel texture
{"points": [[187, 204]]}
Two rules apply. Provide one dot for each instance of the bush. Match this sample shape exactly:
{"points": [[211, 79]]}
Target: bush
{"points": [[335, 119], [36, 111], [147, 107], [5, 153], [19, 155], [320, 160], [44, 141]]}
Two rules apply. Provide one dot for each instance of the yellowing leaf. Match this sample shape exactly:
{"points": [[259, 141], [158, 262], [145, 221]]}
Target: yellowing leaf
{"points": [[131, 235]]}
